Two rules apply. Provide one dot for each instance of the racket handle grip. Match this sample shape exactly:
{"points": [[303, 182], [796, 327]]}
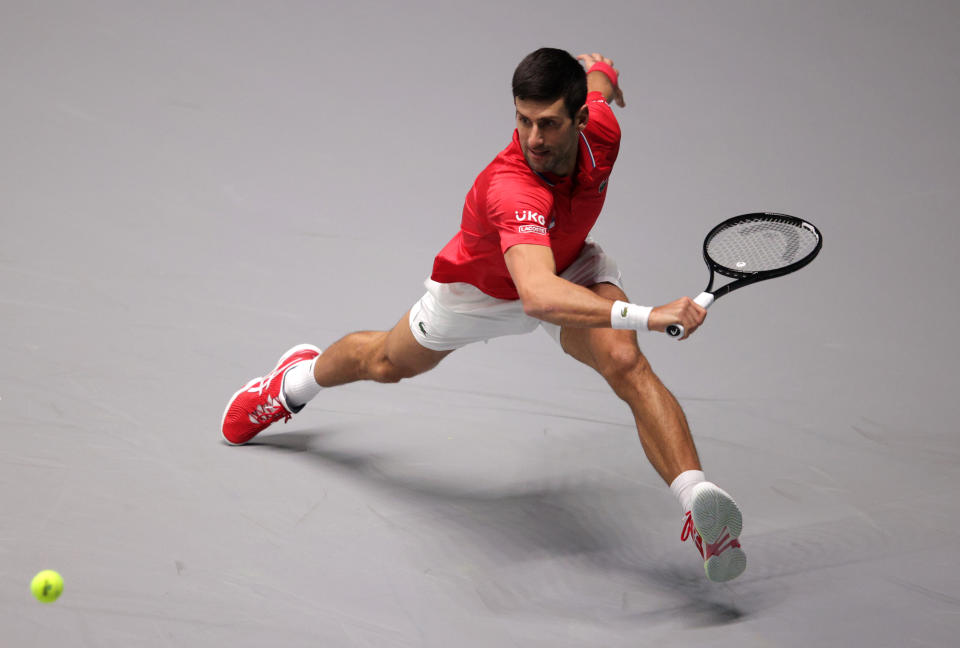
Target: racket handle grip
{"points": [[704, 299]]}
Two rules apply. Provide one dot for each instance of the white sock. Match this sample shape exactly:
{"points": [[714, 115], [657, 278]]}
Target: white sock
{"points": [[683, 485], [299, 385]]}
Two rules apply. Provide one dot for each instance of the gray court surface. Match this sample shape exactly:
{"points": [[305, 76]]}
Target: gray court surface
{"points": [[187, 189]]}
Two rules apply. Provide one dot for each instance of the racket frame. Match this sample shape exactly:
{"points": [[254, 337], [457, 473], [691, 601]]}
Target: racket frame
{"points": [[746, 278], [741, 278]]}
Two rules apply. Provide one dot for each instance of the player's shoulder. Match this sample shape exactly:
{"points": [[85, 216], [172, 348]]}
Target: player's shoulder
{"points": [[602, 122], [513, 189]]}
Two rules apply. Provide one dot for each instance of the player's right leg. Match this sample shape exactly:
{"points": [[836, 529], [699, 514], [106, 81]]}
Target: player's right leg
{"points": [[447, 317], [383, 356]]}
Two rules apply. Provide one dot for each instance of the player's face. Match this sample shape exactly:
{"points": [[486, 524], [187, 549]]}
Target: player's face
{"points": [[548, 136]]}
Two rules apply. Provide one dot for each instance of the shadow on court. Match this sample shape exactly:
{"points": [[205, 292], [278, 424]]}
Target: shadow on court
{"points": [[566, 531]]}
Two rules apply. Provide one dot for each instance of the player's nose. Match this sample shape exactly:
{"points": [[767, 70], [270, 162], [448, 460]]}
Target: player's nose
{"points": [[535, 138]]}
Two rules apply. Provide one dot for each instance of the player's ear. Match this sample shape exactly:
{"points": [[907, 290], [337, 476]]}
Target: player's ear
{"points": [[583, 116]]}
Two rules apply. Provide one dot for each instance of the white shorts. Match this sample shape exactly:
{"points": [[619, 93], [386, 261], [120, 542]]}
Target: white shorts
{"points": [[452, 315]]}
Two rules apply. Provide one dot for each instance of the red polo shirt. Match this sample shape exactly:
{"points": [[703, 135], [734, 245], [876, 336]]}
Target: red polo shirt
{"points": [[510, 203]]}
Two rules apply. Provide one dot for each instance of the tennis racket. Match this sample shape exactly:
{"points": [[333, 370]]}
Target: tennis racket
{"points": [[751, 248]]}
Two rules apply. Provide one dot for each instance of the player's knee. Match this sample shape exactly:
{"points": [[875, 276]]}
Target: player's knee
{"points": [[384, 371], [624, 361]]}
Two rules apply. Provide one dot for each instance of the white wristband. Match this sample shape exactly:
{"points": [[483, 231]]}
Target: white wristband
{"points": [[624, 315]]}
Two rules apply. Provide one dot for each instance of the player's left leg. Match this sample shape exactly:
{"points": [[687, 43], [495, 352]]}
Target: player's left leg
{"points": [[381, 356], [711, 517]]}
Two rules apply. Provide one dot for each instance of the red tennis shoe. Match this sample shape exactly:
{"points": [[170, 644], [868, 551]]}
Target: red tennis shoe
{"points": [[261, 401], [714, 522]]}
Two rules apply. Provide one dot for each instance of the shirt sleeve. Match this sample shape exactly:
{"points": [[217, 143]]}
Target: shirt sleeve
{"points": [[520, 212], [602, 125]]}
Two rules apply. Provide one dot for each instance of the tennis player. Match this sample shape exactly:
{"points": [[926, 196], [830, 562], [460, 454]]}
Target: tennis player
{"points": [[522, 260]]}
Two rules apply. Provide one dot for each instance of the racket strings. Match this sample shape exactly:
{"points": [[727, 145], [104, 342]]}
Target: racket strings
{"points": [[761, 244]]}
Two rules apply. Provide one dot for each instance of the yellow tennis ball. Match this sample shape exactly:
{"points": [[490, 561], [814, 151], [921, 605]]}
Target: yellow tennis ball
{"points": [[47, 586]]}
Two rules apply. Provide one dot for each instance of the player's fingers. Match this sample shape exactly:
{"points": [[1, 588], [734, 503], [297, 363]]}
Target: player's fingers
{"points": [[691, 316], [689, 329], [691, 309], [700, 312], [597, 56]]}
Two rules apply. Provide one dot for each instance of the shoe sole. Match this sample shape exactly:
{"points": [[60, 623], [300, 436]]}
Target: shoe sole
{"points": [[713, 510], [283, 358], [727, 566]]}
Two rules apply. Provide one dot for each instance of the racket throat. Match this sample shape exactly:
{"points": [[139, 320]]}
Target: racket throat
{"points": [[704, 299]]}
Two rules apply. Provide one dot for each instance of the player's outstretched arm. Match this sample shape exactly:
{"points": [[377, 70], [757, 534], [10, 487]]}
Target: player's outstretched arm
{"points": [[602, 77], [553, 299]]}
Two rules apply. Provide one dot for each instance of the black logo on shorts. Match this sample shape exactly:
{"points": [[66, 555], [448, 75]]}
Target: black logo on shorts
{"points": [[423, 328], [603, 185]]}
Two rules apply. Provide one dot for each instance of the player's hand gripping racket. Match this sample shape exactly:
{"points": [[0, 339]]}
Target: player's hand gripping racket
{"points": [[751, 248]]}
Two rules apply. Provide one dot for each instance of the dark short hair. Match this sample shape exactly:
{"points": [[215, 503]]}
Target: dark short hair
{"points": [[549, 74]]}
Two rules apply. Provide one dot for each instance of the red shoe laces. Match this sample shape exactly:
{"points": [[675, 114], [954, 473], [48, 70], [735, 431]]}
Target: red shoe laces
{"points": [[269, 412], [713, 549], [691, 531]]}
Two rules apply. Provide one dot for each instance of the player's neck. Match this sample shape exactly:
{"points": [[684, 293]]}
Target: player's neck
{"points": [[568, 169], [567, 173]]}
